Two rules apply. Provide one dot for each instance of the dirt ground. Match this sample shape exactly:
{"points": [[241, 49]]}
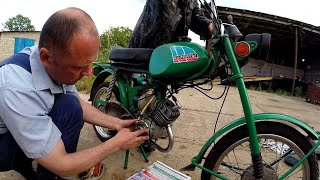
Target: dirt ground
{"points": [[194, 126]]}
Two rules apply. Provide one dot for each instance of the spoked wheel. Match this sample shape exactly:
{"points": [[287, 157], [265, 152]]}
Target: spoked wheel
{"points": [[231, 156], [99, 102]]}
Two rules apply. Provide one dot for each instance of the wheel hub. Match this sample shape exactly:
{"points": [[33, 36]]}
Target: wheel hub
{"points": [[101, 108], [268, 173]]}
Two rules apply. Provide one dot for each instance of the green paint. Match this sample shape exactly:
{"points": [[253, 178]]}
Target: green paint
{"points": [[169, 61]]}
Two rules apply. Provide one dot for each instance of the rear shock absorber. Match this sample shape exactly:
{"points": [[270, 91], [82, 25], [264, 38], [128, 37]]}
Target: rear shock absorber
{"points": [[258, 166], [110, 88]]}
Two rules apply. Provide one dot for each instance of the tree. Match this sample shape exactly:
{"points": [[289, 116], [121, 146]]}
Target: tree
{"points": [[18, 23], [114, 36]]}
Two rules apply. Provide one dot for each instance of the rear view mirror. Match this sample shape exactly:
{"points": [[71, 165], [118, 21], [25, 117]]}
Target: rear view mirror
{"points": [[263, 41]]}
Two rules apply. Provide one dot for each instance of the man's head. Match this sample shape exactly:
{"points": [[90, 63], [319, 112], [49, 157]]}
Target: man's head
{"points": [[69, 43]]}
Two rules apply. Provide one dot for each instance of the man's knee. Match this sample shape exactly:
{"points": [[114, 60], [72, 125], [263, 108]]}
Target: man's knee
{"points": [[67, 107], [8, 148]]}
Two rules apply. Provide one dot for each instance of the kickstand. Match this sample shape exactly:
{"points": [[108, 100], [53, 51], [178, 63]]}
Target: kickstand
{"points": [[145, 156], [126, 159]]}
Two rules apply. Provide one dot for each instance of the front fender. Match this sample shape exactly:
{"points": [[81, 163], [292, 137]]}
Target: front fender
{"points": [[257, 117], [100, 78]]}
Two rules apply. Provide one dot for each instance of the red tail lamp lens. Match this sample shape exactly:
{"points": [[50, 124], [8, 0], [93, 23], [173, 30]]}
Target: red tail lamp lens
{"points": [[242, 49]]}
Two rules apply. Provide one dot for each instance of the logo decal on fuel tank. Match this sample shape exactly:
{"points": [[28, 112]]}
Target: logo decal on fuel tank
{"points": [[182, 54]]}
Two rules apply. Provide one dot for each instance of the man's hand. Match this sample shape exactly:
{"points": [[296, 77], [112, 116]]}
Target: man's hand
{"points": [[63, 164], [211, 29], [126, 138], [125, 124]]}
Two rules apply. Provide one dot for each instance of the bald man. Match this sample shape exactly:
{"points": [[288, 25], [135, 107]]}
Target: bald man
{"points": [[41, 114]]}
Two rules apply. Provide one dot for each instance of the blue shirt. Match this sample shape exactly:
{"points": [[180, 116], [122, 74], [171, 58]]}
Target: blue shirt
{"points": [[25, 101]]}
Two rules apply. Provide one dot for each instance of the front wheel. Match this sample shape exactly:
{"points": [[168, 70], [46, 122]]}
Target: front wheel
{"points": [[231, 155], [99, 102]]}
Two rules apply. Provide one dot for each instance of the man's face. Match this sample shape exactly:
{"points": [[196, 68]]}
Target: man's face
{"points": [[71, 65]]}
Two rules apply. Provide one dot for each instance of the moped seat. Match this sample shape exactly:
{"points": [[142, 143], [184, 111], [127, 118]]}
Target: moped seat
{"points": [[130, 57]]}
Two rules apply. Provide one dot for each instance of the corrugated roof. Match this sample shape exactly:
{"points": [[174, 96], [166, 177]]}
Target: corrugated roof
{"points": [[283, 32], [281, 28]]}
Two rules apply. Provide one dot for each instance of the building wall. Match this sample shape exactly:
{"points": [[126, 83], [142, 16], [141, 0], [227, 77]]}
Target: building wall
{"points": [[313, 73], [7, 40], [264, 69]]}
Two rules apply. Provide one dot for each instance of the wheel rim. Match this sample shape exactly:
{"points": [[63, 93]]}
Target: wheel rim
{"points": [[102, 94], [239, 162]]}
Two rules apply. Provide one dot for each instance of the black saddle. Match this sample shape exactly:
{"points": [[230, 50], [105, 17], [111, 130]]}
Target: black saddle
{"points": [[130, 57]]}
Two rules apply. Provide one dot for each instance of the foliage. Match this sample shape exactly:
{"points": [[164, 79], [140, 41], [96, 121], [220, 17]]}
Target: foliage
{"points": [[84, 84], [18, 23], [259, 88], [298, 91], [114, 36], [255, 88], [282, 92]]}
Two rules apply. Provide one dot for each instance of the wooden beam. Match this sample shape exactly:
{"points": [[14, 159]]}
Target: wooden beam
{"points": [[295, 63], [269, 18]]}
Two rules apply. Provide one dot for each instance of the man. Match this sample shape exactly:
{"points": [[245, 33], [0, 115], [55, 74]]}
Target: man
{"points": [[41, 114], [164, 21]]}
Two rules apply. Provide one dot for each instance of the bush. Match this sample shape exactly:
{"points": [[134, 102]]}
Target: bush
{"points": [[282, 92], [84, 85], [256, 88], [298, 91]]}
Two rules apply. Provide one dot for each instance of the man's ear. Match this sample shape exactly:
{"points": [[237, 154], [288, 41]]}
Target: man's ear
{"points": [[45, 56]]}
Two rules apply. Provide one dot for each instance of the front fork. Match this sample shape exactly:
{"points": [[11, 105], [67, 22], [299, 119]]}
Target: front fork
{"points": [[253, 138]]}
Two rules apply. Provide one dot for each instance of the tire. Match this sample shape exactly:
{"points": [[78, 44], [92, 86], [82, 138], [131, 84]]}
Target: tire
{"points": [[228, 149], [100, 92]]}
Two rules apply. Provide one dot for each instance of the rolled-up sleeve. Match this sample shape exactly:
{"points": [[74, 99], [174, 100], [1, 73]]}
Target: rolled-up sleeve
{"points": [[71, 89], [25, 113], [199, 22]]}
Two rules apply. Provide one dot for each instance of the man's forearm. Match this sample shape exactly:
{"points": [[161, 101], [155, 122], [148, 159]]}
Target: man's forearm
{"points": [[93, 116], [72, 164]]}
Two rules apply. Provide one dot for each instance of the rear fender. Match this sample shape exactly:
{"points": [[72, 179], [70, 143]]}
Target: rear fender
{"points": [[263, 117]]}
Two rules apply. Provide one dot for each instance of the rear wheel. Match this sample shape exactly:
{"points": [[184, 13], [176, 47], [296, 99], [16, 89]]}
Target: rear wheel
{"points": [[231, 156], [99, 102]]}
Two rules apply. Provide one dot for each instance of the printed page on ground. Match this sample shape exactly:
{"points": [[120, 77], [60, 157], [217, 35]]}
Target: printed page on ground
{"points": [[159, 171]]}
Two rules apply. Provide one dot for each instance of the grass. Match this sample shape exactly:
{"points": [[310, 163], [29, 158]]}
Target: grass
{"points": [[282, 92], [298, 91], [84, 85], [255, 88]]}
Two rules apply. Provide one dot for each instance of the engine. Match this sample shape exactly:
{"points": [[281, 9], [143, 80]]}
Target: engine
{"points": [[165, 113], [159, 120], [162, 116]]}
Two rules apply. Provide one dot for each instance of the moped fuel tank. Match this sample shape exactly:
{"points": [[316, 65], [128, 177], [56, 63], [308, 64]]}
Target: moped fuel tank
{"points": [[180, 60]]}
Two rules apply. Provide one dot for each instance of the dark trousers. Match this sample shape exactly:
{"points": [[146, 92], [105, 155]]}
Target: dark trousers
{"points": [[67, 115]]}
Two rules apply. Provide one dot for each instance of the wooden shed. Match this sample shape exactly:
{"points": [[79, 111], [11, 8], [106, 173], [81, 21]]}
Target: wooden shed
{"points": [[293, 55]]}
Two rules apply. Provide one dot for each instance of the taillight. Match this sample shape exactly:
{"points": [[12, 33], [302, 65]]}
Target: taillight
{"points": [[242, 49]]}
